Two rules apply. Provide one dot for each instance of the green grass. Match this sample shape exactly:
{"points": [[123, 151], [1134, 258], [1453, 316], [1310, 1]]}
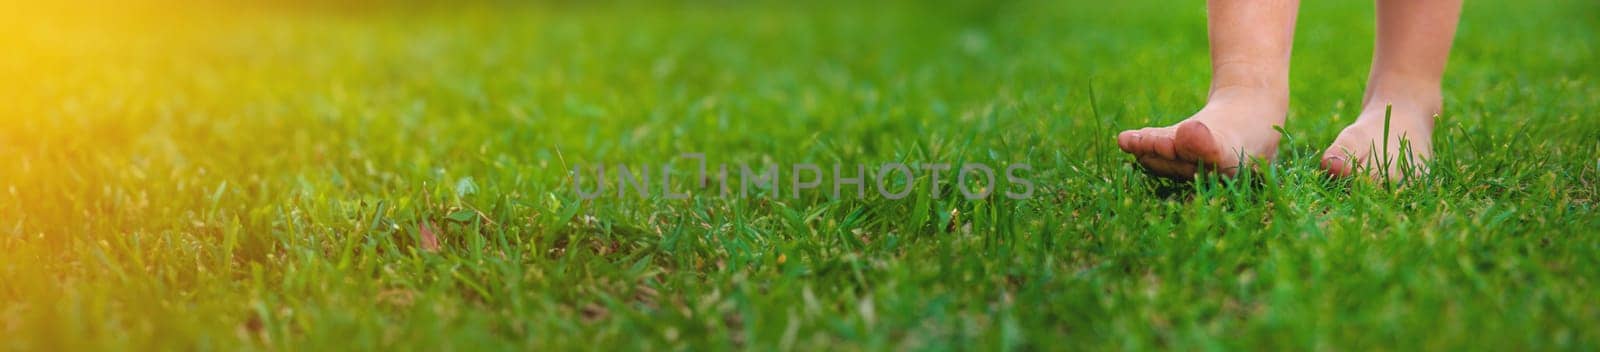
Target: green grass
{"points": [[257, 178]]}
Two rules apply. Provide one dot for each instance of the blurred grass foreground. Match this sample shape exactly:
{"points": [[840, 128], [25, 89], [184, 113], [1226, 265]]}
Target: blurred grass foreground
{"points": [[375, 175]]}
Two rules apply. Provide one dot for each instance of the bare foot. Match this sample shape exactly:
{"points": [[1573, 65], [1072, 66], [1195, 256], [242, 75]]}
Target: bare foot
{"points": [[1231, 131], [1405, 152]]}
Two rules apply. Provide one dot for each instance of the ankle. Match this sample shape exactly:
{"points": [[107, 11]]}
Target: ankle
{"points": [[1410, 111], [1409, 97], [1257, 95], [1254, 103]]}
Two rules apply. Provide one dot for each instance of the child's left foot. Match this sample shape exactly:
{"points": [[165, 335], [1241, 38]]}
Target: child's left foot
{"points": [[1361, 148]]}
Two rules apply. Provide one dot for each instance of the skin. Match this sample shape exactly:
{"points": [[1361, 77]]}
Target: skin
{"points": [[1250, 45]]}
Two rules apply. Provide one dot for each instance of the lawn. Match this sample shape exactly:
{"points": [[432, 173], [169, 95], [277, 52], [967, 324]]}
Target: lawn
{"points": [[295, 176]]}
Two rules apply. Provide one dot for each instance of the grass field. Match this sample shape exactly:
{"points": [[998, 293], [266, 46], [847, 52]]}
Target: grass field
{"points": [[269, 176]]}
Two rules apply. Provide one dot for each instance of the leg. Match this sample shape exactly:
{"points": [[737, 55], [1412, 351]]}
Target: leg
{"points": [[1250, 44], [1413, 44]]}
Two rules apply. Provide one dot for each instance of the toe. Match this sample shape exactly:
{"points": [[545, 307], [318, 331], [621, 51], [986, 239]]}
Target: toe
{"points": [[1127, 140], [1143, 141], [1195, 142], [1340, 160], [1163, 146], [1337, 165], [1168, 168]]}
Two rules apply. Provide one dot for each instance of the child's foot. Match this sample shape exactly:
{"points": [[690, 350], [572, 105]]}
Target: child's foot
{"points": [[1222, 137], [1409, 143]]}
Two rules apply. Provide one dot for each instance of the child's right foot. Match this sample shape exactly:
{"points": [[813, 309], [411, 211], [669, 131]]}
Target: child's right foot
{"points": [[1362, 148], [1227, 134]]}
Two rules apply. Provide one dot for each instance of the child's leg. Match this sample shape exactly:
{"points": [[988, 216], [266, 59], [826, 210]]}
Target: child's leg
{"points": [[1413, 42], [1250, 43]]}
